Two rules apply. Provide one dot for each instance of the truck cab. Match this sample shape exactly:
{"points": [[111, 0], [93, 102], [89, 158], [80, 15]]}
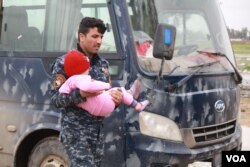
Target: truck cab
{"points": [[178, 49]]}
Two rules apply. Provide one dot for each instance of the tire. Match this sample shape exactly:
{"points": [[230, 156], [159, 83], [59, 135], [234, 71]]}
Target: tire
{"points": [[48, 152]]}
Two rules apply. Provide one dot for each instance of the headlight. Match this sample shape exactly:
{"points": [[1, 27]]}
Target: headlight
{"points": [[158, 126]]}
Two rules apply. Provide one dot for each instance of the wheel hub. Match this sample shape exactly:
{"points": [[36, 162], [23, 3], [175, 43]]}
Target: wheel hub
{"points": [[53, 161]]}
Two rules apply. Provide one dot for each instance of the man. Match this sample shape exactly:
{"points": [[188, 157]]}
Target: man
{"points": [[80, 131]]}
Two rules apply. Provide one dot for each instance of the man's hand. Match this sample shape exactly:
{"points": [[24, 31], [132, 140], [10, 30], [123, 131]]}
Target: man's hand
{"points": [[116, 96]]}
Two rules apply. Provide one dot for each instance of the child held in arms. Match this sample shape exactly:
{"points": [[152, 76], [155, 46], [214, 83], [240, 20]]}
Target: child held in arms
{"points": [[76, 66]]}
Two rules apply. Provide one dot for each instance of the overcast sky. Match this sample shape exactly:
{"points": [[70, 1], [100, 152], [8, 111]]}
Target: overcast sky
{"points": [[236, 13]]}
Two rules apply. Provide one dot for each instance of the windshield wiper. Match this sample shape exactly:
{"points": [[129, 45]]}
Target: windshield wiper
{"points": [[174, 86], [237, 75], [204, 64]]}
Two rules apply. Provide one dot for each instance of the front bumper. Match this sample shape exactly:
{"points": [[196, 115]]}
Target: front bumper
{"points": [[152, 152]]}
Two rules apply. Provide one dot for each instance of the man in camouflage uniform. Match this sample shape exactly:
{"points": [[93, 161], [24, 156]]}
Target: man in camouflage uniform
{"points": [[80, 131]]}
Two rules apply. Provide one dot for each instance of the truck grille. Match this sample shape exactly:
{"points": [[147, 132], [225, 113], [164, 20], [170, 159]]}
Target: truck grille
{"points": [[208, 135]]}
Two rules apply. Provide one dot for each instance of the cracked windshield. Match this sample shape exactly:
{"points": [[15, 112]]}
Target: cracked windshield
{"points": [[192, 36]]}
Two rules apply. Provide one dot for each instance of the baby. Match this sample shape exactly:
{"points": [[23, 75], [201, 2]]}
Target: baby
{"points": [[76, 66]]}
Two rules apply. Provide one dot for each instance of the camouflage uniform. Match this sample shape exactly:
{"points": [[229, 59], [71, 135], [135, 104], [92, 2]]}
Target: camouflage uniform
{"points": [[80, 131]]}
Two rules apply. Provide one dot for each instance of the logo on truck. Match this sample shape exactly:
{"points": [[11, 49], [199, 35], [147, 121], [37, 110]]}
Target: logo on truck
{"points": [[219, 106]]}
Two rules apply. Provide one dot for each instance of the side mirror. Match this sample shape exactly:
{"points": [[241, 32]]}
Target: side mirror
{"points": [[164, 41]]}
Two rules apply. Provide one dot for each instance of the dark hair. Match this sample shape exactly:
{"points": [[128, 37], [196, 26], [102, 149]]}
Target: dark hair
{"points": [[91, 22]]}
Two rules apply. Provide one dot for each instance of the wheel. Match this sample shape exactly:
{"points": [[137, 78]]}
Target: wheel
{"points": [[48, 152]]}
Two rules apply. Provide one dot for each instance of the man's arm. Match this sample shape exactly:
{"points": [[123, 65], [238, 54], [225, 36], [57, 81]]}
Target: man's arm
{"points": [[58, 78], [61, 100], [105, 76], [116, 94]]}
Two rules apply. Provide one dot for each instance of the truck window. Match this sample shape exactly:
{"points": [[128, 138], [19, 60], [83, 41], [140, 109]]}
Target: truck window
{"points": [[193, 33], [20, 28], [56, 28], [191, 28]]}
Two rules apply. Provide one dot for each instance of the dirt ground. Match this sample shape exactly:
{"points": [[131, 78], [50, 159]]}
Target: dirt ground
{"points": [[245, 100], [245, 112]]}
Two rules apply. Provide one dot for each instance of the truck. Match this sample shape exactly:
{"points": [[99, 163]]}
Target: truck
{"points": [[178, 49]]}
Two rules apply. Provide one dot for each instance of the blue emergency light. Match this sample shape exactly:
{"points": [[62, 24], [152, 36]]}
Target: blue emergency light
{"points": [[167, 39]]}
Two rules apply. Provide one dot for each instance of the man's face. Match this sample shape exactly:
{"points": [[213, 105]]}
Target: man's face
{"points": [[91, 42]]}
